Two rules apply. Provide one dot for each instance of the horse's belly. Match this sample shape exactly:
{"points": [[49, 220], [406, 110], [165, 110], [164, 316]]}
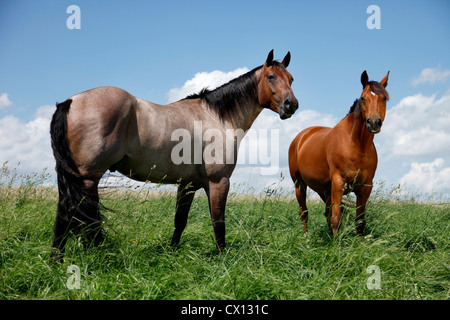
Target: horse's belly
{"points": [[158, 169], [318, 183], [312, 162]]}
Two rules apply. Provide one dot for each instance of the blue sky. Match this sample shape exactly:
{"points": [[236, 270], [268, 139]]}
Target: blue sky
{"points": [[151, 47]]}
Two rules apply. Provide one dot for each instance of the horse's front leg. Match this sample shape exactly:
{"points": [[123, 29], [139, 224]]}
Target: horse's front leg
{"points": [[337, 190], [361, 200], [217, 192]]}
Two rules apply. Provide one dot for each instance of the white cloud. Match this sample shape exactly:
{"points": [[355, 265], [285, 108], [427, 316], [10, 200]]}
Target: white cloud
{"points": [[27, 143], [429, 177], [431, 75], [418, 126], [414, 148], [202, 80], [4, 101]]}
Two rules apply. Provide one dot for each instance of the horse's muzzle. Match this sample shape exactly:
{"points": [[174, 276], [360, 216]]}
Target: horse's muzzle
{"points": [[374, 124], [288, 108]]}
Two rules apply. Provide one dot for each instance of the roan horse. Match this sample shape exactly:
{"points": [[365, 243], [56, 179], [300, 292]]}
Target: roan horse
{"points": [[336, 161], [108, 128]]}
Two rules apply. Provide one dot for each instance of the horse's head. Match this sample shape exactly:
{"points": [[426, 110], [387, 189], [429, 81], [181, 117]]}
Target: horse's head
{"points": [[373, 102], [274, 87]]}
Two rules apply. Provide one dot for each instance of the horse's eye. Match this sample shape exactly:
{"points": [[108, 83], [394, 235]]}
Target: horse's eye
{"points": [[270, 77], [362, 99]]}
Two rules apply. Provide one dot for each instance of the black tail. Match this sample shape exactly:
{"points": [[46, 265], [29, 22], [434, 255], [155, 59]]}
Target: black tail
{"points": [[77, 207], [69, 181]]}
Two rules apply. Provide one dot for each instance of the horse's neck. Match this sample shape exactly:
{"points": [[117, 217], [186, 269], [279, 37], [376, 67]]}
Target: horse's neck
{"points": [[246, 115], [248, 111], [358, 131]]}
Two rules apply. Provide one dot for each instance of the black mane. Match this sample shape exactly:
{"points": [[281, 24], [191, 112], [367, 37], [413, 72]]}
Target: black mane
{"points": [[226, 99], [356, 105]]}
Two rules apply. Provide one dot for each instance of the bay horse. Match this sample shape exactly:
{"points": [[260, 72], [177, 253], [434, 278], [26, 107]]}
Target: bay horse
{"points": [[339, 160], [108, 128]]}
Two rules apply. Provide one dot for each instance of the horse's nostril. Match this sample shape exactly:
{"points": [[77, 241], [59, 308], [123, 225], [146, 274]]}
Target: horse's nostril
{"points": [[379, 122], [290, 105]]}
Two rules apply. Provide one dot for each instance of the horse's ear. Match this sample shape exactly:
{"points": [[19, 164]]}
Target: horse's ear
{"points": [[286, 60], [385, 80], [269, 60], [364, 79]]}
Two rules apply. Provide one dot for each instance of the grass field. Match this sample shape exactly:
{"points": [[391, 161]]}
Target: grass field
{"points": [[267, 256]]}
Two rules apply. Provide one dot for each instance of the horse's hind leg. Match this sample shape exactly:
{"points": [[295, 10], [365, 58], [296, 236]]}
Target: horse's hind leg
{"points": [[300, 193], [91, 228], [78, 211], [61, 229], [185, 195], [327, 200]]}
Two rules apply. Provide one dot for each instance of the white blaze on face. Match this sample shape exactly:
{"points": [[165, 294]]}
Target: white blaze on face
{"points": [[373, 93]]}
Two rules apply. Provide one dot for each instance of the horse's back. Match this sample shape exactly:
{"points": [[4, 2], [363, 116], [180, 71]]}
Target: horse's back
{"points": [[101, 94], [100, 104]]}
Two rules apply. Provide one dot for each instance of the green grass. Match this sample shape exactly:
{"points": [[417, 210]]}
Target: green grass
{"points": [[267, 256]]}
